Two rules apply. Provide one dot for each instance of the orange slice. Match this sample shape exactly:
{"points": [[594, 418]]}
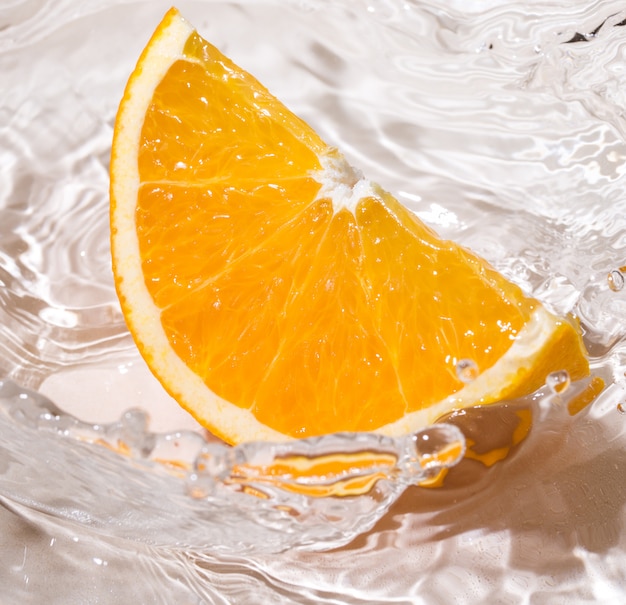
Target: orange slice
{"points": [[274, 291]]}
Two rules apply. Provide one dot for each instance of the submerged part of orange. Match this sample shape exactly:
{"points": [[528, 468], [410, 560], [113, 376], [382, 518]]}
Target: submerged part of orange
{"points": [[274, 291]]}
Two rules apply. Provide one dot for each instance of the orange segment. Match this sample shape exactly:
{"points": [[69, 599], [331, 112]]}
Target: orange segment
{"points": [[274, 291]]}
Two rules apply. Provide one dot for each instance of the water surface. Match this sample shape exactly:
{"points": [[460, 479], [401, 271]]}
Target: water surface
{"points": [[501, 124]]}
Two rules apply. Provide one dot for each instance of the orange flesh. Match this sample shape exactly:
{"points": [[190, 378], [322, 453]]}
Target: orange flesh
{"points": [[310, 304]]}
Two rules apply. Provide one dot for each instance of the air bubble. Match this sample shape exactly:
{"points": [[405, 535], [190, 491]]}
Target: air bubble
{"points": [[558, 382], [467, 370], [616, 279]]}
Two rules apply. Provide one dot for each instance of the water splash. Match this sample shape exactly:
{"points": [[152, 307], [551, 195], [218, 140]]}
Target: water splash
{"points": [[487, 124], [315, 494]]}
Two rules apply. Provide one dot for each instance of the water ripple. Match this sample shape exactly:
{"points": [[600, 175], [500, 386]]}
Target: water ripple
{"points": [[502, 124]]}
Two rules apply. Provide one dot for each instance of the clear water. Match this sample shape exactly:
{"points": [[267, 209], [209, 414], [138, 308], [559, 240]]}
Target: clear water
{"points": [[501, 124]]}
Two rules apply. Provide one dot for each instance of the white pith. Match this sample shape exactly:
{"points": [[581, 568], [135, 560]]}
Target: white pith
{"points": [[339, 182], [342, 184]]}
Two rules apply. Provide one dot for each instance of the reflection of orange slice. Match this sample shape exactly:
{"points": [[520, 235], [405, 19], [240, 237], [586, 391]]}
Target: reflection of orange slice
{"points": [[277, 293]]}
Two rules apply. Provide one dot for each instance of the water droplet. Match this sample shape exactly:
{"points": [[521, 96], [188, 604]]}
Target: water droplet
{"points": [[616, 280], [621, 408], [438, 446], [467, 370], [558, 382]]}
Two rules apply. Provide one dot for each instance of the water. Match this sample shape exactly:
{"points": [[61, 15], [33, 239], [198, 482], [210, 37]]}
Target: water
{"points": [[501, 124], [558, 382], [181, 490], [467, 370]]}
